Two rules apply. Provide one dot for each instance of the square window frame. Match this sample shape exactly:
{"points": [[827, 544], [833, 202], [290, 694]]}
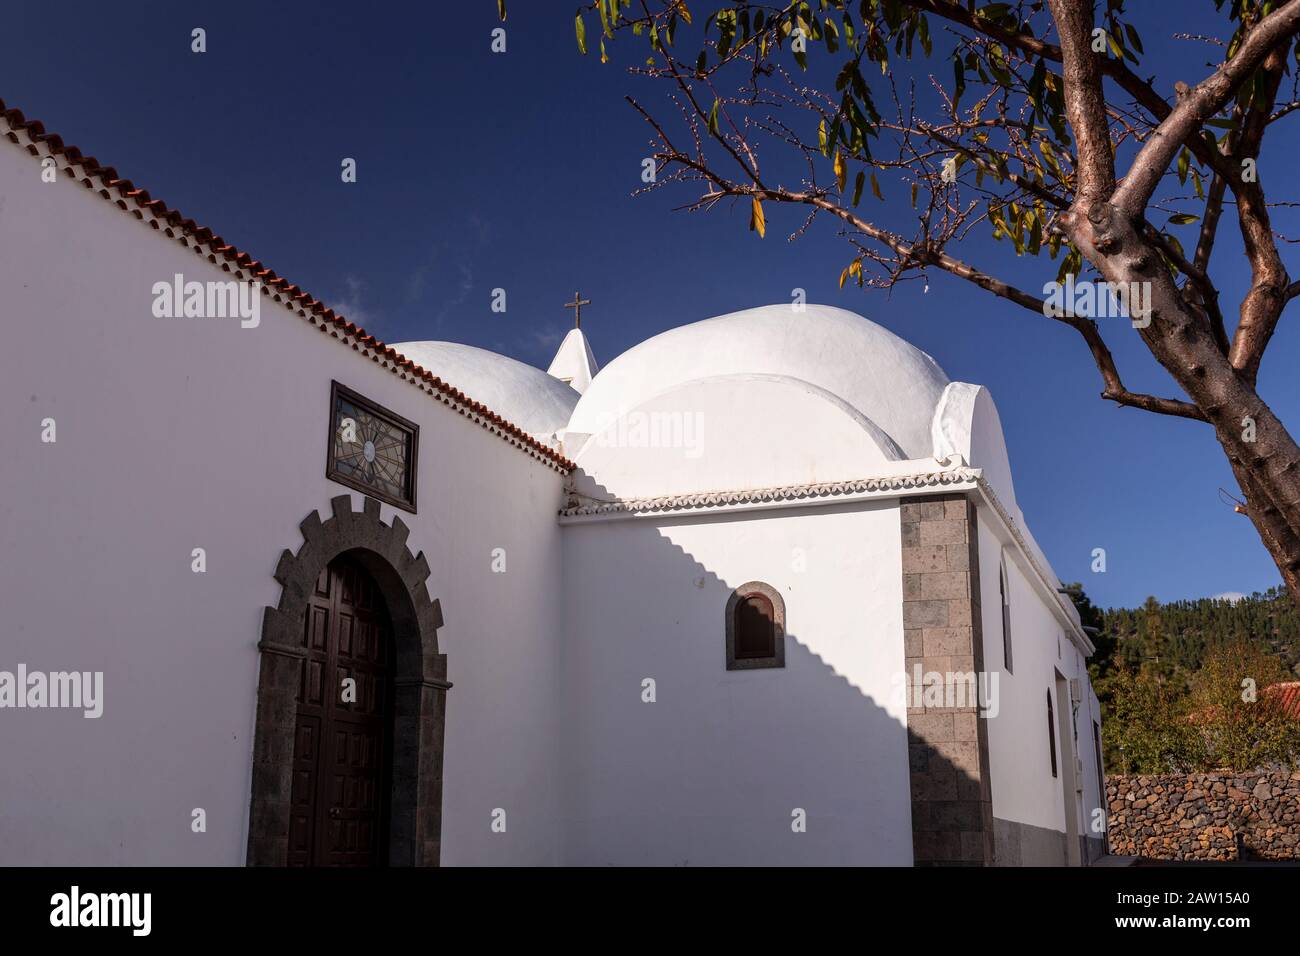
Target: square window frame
{"points": [[339, 390]]}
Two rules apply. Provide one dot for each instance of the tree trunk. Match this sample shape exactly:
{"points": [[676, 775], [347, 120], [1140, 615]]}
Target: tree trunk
{"points": [[1264, 456], [1282, 542]]}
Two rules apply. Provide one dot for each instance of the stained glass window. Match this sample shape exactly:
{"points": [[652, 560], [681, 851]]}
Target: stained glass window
{"points": [[372, 449]]}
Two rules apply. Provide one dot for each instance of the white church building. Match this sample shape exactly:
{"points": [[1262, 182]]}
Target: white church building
{"points": [[756, 592]]}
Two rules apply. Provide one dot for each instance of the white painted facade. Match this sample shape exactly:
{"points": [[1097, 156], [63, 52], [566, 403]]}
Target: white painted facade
{"points": [[768, 445], [1043, 654], [712, 772]]}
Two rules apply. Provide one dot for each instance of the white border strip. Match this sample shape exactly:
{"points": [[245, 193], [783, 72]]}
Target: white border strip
{"points": [[960, 478]]}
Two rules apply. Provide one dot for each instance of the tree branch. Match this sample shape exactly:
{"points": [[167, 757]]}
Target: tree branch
{"points": [[1199, 289], [1085, 104], [1198, 105], [1262, 307], [1117, 70], [1113, 390]]}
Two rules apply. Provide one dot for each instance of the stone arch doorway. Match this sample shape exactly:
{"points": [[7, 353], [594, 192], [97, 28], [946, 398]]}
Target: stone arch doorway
{"points": [[410, 825]]}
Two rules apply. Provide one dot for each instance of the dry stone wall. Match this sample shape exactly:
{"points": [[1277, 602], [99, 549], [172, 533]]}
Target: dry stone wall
{"points": [[1205, 816]]}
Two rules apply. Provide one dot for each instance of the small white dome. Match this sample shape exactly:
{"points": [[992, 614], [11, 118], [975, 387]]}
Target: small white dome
{"points": [[521, 394], [885, 379]]}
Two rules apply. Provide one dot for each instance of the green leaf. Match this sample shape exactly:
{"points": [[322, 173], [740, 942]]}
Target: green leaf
{"points": [[501, 9], [893, 11], [841, 169], [1182, 218], [998, 65], [1070, 265], [1259, 91], [1134, 40], [875, 188], [1036, 83], [713, 118], [580, 29], [857, 186], [726, 32], [1173, 241], [1049, 157]]}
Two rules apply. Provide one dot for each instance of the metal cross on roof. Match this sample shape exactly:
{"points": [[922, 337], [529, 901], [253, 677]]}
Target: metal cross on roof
{"points": [[576, 305]]}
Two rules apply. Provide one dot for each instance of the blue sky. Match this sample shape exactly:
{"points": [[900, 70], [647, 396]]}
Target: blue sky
{"points": [[479, 170]]}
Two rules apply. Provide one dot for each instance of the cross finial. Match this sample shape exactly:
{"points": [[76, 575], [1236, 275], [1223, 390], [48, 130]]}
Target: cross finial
{"points": [[576, 305]]}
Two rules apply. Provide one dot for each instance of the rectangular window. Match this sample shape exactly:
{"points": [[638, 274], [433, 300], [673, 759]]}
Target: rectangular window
{"points": [[1006, 616], [1101, 774], [371, 448], [1051, 730], [755, 628]]}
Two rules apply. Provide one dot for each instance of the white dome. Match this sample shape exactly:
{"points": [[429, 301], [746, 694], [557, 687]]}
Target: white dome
{"points": [[521, 394], [883, 378]]}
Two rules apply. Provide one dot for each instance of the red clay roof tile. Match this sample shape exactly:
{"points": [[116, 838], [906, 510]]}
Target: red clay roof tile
{"points": [[1286, 696]]}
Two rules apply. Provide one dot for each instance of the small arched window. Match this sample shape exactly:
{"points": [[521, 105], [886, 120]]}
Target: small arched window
{"points": [[755, 627]]}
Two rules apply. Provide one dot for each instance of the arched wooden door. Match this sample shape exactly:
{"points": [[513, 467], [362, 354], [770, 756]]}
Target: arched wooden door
{"points": [[342, 761]]}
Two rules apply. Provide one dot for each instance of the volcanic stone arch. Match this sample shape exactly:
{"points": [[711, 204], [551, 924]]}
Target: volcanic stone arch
{"points": [[420, 683]]}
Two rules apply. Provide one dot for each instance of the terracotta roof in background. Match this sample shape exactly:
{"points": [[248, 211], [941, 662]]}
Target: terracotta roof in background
{"points": [[131, 198], [1286, 696]]}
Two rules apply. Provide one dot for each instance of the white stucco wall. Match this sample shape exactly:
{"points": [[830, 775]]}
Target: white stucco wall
{"points": [[175, 434], [711, 772], [1024, 790], [699, 437], [1094, 797]]}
